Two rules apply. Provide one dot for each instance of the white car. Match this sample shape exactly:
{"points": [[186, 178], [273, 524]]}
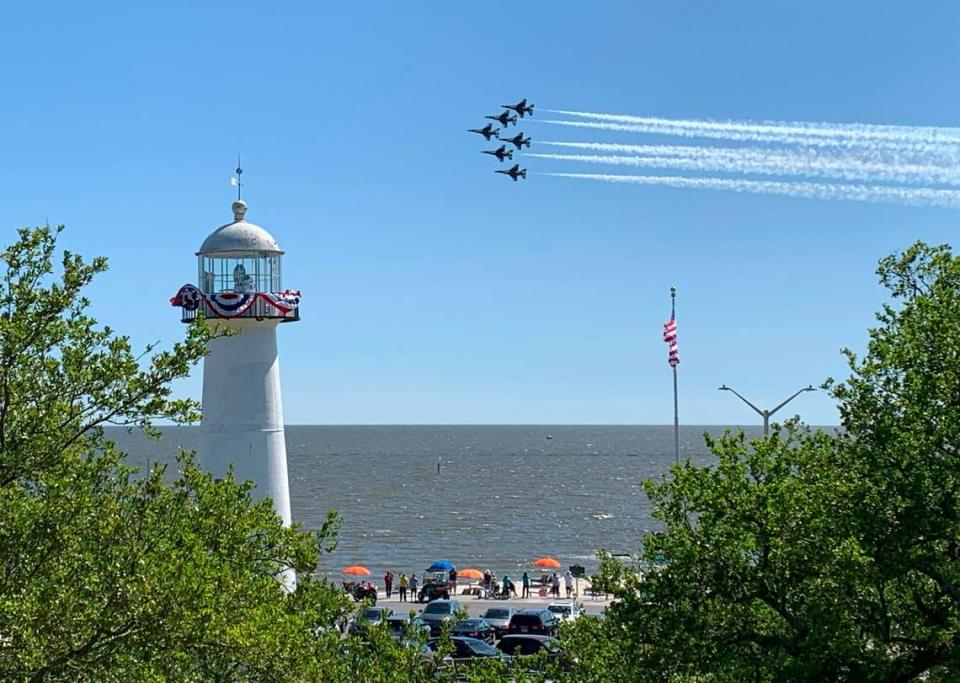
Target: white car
{"points": [[499, 618], [566, 610]]}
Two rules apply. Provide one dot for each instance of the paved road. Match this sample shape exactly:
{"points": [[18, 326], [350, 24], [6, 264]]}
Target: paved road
{"points": [[477, 607]]}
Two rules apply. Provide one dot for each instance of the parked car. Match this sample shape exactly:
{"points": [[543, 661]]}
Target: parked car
{"points": [[403, 626], [568, 610], [438, 612], [499, 617], [474, 628], [526, 644], [467, 648], [540, 622], [371, 616]]}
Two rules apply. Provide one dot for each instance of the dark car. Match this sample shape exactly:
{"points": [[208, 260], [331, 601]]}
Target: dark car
{"points": [[525, 644], [439, 611], [371, 616], [541, 622], [474, 628], [467, 648], [403, 626]]}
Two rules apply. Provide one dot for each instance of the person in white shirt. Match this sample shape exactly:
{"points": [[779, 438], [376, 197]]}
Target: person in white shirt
{"points": [[568, 582]]}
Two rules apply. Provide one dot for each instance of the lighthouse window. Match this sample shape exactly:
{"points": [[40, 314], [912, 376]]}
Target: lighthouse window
{"points": [[240, 274]]}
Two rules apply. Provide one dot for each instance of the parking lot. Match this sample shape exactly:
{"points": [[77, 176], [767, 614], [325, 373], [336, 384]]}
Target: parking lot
{"points": [[476, 606]]}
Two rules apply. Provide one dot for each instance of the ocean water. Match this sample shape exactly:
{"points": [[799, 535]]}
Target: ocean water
{"points": [[504, 496]]}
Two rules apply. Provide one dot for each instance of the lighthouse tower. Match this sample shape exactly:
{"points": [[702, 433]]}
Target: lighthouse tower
{"points": [[242, 421]]}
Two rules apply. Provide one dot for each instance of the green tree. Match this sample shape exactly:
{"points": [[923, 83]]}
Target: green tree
{"points": [[819, 556], [108, 575]]}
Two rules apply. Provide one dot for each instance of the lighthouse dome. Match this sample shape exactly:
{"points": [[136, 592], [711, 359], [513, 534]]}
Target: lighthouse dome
{"points": [[239, 237], [239, 257]]}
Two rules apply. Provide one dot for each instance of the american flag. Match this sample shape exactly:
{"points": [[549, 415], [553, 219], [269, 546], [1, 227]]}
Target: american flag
{"points": [[670, 336]]}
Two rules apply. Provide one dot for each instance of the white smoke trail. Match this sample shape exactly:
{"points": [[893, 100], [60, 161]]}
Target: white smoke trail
{"points": [[917, 196], [949, 152], [860, 131], [858, 154], [764, 162]]}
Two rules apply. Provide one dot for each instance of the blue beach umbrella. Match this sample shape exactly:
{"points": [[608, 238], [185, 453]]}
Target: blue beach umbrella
{"points": [[441, 566]]}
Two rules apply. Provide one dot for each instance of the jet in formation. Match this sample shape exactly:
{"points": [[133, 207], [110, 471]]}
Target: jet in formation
{"points": [[501, 152], [515, 172], [488, 131], [518, 140], [504, 118], [520, 107]]}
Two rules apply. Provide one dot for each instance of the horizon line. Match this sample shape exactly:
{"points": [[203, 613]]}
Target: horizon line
{"points": [[498, 424]]}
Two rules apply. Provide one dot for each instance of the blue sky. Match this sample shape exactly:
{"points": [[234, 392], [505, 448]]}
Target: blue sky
{"points": [[434, 290]]}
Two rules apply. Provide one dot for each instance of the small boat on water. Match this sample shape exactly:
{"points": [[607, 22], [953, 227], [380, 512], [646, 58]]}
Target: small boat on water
{"points": [[549, 436]]}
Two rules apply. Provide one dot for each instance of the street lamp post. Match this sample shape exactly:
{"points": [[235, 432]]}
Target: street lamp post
{"points": [[765, 414]]}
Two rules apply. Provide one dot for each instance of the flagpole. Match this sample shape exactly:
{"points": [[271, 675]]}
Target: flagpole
{"points": [[676, 413]]}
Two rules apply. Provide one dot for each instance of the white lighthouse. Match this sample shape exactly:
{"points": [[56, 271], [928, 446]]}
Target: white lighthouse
{"points": [[242, 420]]}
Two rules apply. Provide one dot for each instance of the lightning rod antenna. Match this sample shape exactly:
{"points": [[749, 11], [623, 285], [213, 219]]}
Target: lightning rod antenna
{"points": [[239, 177]]}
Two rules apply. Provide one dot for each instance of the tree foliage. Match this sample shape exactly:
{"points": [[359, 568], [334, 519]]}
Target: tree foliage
{"points": [[109, 575]]}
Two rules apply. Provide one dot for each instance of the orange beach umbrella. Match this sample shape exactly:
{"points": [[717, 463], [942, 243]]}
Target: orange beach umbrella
{"points": [[357, 570], [547, 562], [470, 574]]}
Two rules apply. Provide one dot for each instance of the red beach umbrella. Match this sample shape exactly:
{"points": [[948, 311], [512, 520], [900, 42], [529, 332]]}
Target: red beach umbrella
{"points": [[357, 570], [547, 562], [470, 574]]}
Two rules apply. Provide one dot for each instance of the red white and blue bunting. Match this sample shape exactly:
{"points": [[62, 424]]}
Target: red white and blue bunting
{"points": [[284, 301], [235, 304], [230, 304]]}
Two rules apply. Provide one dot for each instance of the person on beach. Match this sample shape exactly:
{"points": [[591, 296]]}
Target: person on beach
{"points": [[403, 587], [555, 585], [414, 585], [453, 581], [388, 583], [506, 585], [568, 582], [525, 581]]}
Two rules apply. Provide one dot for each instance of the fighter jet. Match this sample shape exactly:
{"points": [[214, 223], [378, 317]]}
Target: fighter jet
{"points": [[488, 131], [504, 118], [520, 107], [501, 152], [515, 172], [518, 140]]}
